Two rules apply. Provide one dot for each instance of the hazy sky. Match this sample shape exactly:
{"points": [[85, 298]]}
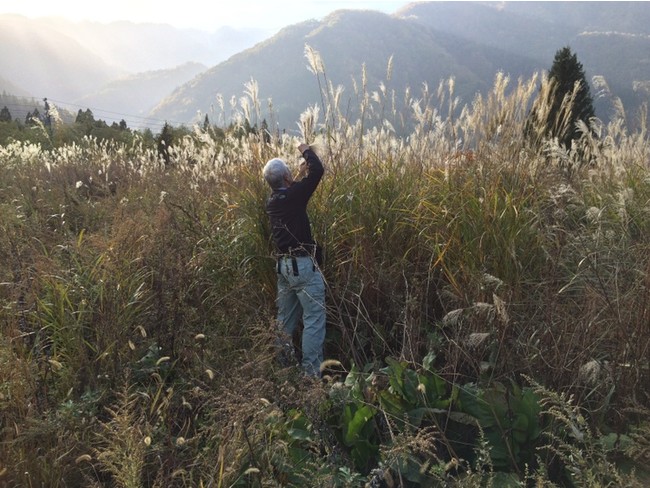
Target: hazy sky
{"points": [[201, 14]]}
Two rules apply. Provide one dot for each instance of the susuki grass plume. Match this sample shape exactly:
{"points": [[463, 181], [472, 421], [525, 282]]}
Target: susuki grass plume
{"points": [[123, 443]]}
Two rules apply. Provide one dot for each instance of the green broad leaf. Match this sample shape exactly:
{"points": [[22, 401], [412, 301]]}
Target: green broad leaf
{"points": [[347, 416], [496, 401], [612, 441], [298, 434], [362, 452], [417, 415], [352, 377], [472, 403], [520, 428], [505, 480], [392, 404], [501, 449], [395, 372], [463, 418], [403, 381], [454, 393], [410, 387], [298, 426], [298, 419], [357, 423], [298, 456], [441, 385], [528, 404], [411, 468], [435, 389], [428, 361], [355, 382]]}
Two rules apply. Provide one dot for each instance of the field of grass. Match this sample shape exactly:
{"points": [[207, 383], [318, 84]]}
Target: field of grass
{"points": [[488, 304]]}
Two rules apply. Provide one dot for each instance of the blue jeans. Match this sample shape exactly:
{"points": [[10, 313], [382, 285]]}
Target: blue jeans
{"points": [[302, 295]]}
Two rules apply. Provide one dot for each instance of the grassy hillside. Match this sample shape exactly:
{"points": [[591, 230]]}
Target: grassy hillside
{"points": [[488, 306]]}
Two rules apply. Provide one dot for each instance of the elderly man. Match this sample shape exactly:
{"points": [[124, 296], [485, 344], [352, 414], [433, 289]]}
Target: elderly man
{"points": [[301, 288]]}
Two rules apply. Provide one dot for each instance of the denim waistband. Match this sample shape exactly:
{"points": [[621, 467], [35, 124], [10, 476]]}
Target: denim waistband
{"points": [[293, 256], [294, 261]]}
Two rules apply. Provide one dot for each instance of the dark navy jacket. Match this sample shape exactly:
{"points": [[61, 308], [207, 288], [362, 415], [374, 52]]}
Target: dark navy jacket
{"points": [[287, 210]]}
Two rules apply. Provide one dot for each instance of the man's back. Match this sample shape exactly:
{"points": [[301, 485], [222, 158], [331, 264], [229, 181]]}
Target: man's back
{"points": [[287, 208]]}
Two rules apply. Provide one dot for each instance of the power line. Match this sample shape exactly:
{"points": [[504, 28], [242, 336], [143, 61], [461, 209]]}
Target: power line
{"points": [[108, 111], [137, 122], [134, 121]]}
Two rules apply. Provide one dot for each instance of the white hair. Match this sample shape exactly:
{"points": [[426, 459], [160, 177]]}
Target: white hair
{"points": [[275, 172]]}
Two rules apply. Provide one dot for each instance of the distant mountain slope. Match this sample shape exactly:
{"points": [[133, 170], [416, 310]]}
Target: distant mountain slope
{"points": [[493, 24], [68, 61], [137, 95], [430, 41], [623, 60], [626, 16], [346, 40], [611, 39], [534, 29], [273, 57], [135, 48], [7, 86], [44, 62]]}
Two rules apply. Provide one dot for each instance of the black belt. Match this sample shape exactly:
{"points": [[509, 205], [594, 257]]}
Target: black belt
{"points": [[299, 251], [294, 263]]}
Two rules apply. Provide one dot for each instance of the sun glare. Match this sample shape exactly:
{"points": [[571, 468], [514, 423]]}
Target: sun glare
{"points": [[192, 13]]}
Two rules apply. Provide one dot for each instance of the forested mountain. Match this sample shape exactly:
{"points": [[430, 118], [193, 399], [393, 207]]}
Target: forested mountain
{"points": [[623, 60], [279, 66], [347, 41], [532, 29], [429, 42], [611, 39]]}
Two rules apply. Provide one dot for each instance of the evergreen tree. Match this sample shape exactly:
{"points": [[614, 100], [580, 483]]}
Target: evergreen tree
{"points": [[566, 72], [85, 117], [32, 117], [5, 114], [265, 131], [164, 140], [85, 121], [48, 115], [567, 82]]}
